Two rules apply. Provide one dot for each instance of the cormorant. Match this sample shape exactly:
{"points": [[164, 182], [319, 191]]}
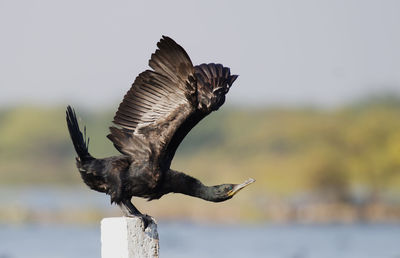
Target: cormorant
{"points": [[158, 111]]}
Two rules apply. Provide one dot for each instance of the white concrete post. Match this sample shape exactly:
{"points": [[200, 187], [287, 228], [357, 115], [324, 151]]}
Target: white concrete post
{"points": [[124, 237]]}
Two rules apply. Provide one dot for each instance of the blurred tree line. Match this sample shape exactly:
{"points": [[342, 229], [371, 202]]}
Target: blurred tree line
{"points": [[343, 154]]}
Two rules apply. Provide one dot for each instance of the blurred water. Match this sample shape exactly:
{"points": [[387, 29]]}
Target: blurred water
{"points": [[49, 197], [208, 240]]}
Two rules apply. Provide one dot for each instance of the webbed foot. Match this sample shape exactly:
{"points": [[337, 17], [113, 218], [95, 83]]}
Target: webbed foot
{"points": [[147, 220], [130, 210]]}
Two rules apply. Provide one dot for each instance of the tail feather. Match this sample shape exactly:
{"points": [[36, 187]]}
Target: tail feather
{"points": [[81, 143]]}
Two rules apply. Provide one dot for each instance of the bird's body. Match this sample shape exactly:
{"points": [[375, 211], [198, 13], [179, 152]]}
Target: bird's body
{"points": [[159, 110]]}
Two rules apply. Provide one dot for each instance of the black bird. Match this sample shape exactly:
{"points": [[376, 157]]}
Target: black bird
{"points": [[158, 111]]}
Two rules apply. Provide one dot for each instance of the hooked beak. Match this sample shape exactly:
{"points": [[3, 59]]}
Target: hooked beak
{"points": [[239, 187]]}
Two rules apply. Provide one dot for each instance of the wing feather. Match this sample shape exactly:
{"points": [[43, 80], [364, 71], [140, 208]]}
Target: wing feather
{"points": [[165, 103]]}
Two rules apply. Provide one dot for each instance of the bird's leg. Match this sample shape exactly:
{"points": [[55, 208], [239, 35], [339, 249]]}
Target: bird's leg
{"points": [[130, 210]]}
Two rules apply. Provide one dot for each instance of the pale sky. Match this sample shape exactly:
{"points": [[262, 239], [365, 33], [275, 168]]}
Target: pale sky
{"points": [[286, 52]]}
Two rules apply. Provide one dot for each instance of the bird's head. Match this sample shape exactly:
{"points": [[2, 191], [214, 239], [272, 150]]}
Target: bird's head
{"points": [[220, 193]]}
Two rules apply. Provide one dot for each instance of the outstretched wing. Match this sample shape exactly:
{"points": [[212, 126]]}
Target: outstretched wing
{"points": [[165, 103]]}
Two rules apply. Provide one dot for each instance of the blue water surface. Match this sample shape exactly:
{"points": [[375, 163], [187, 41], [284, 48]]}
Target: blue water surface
{"points": [[179, 239]]}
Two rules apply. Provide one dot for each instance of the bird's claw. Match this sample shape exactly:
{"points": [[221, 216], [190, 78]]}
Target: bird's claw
{"points": [[147, 220]]}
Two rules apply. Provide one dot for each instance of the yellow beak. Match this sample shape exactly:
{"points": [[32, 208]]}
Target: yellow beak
{"points": [[239, 187]]}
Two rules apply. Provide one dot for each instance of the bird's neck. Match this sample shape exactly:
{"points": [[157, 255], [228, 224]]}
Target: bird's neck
{"points": [[178, 182]]}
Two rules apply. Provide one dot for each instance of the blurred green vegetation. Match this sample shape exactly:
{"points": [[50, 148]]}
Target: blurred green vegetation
{"points": [[332, 152]]}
